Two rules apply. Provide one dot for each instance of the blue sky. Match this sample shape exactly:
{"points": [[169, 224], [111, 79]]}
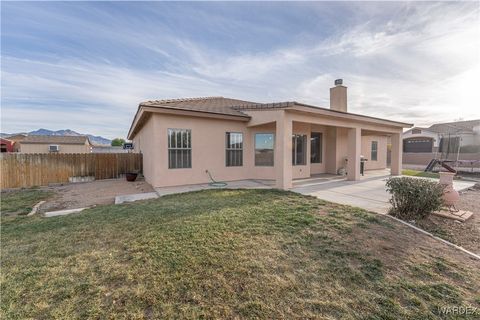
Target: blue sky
{"points": [[87, 65]]}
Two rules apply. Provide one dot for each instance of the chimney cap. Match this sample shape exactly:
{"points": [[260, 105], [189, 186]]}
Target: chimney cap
{"points": [[339, 82]]}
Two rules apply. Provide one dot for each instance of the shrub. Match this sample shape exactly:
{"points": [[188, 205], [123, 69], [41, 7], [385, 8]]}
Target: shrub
{"points": [[414, 198], [118, 142]]}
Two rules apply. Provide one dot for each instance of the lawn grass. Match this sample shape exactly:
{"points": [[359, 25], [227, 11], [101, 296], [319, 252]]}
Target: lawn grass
{"points": [[22, 201], [415, 173], [226, 254]]}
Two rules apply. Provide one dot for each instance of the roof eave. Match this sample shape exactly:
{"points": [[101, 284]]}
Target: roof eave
{"points": [[153, 109], [395, 123]]}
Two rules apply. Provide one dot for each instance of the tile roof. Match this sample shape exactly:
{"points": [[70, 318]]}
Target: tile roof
{"points": [[230, 107], [55, 139], [219, 105]]}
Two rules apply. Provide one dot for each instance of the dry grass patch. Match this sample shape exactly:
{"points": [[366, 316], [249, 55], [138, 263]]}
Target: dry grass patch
{"points": [[228, 254]]}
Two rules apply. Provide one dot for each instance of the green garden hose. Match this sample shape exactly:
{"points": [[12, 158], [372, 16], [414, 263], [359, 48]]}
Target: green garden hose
{"points": [[214, 183]]}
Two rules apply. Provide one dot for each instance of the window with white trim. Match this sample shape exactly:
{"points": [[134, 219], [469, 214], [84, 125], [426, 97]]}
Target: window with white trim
{"points": [[179, 148], [234, 149]]}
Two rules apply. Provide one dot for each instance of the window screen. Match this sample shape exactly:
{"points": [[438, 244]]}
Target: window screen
{"points": [[234, 149], [179, 148]]}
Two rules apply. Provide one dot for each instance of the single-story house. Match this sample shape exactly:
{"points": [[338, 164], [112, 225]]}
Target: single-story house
{"points": [[181, 139], [451, 140], [55, 144]]}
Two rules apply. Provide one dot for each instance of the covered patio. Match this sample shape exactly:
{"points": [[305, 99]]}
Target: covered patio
{"points": [[342, 135]]}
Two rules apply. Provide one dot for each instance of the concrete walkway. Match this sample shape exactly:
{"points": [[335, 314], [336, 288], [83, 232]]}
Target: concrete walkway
{"points": [[241, 184], [135, 197], [369, 193]]}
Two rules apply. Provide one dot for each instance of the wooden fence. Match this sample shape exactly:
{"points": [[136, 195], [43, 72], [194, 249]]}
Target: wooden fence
{"points": [[28, 170]]}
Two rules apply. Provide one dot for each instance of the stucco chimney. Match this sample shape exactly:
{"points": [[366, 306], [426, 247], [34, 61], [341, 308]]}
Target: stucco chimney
{"points": [[338, 96]]}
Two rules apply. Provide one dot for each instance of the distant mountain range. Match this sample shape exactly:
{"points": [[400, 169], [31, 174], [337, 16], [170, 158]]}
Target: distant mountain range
{"points": [[98, 140]]}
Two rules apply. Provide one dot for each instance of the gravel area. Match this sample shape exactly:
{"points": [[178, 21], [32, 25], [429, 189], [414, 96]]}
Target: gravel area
{"points": [[465, 234], [86, 194]]}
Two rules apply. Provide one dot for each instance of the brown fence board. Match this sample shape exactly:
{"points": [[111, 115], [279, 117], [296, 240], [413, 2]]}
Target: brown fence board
{"points": [[20, 170]]}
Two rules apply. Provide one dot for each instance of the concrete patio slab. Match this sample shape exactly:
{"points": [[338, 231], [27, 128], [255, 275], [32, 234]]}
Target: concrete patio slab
{"points": [[369, 193], [135, 197]]}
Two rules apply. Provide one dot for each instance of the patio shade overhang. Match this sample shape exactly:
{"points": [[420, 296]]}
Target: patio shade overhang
{"points": [[317, 115]]}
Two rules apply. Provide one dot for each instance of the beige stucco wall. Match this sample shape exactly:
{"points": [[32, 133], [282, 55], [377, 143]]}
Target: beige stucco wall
{"points": [[337, 149], [208, 149], [145, 142], [44, 148], [366, 151]]}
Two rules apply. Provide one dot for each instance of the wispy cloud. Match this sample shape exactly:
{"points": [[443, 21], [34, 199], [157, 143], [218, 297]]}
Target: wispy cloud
{"points": [[87, 66]]}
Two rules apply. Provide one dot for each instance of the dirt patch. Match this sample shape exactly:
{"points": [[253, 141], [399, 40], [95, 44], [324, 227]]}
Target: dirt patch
{"points": [[401, 243], [80, 195], [390, 241], [465, 234]]}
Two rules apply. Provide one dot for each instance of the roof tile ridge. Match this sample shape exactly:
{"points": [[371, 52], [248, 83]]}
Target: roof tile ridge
{"points": [[266, 105], [165, 101]]}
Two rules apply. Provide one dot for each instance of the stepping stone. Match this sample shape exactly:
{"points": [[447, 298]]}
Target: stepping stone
{"points": [[63, 212], [460, 215]]}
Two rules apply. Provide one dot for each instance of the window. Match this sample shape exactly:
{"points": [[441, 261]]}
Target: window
{"points": [[373, 156], [316, 146], [234, 147], [264, 149], [299, 150], [179, 148]]}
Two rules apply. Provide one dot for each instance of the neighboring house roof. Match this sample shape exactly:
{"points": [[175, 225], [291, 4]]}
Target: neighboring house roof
{"points": [[231, 107], [455, 127], [56, 139], [450, 127]]}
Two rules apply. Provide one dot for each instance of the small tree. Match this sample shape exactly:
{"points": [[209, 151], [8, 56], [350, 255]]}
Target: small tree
{"points": [[118, 142], [414, 198]]}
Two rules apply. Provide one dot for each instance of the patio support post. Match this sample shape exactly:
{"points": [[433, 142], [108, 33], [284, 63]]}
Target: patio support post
{"points": [[283, 152], [396, 166], [353, 154]]}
